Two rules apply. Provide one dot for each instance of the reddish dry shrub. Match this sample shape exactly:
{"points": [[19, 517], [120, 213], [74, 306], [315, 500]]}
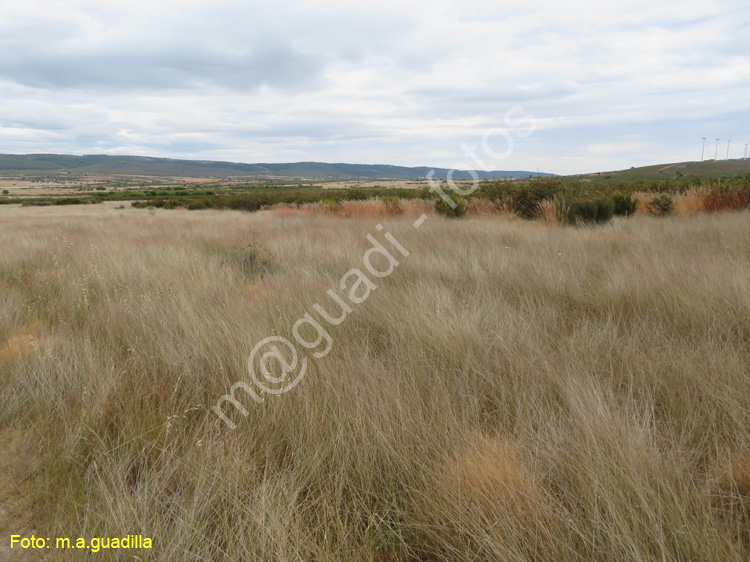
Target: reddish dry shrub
{"points": [[368, 209], [417, 207], [285, 210], [725, 201], [320, 208]]}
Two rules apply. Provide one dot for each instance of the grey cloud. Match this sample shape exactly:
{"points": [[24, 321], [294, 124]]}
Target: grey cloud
{"points": [[190, 147], [386, 83], [234, 45], [490, 102], [279, 67]]}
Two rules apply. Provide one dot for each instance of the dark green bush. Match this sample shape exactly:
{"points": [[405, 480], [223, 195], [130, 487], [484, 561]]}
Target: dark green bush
{"points": [[661, 205], [624, 205], [239, 203], [75, 201], [199, 204], [523, 197], [589, 211], [356, 194], [445, 209]]}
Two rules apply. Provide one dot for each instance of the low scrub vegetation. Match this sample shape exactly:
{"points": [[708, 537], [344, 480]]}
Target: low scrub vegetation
{"points": [[661, 205], [455, 208], [623, 205], [561, 200], [584, 211]]}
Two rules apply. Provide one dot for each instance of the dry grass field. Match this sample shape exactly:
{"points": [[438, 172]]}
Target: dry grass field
{"points": [[513, 391]]}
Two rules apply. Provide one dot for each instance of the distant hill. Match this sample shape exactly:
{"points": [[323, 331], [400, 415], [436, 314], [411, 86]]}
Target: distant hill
{"points": [[39, 164], [705, 169]]}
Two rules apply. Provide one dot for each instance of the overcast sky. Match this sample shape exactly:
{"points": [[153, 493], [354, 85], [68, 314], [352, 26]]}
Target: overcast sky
{"points": [[611, 85]]}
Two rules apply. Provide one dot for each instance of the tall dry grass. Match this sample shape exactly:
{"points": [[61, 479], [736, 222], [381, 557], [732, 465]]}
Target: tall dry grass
{"points": [[511, 392]]}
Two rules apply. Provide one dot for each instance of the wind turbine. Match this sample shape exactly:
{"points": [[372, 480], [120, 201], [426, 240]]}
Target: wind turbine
{"points": [[730, 140], [716, 152], [745, 157], [703, 150]]}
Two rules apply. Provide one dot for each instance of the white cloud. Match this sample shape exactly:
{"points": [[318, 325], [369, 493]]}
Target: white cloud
{"points": [[375, 82]]}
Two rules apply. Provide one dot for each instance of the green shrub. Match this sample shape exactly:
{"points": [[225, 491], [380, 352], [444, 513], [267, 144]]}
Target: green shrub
{"points": [[239, 203], [70, 201], [6, 192], [661, 205], [589, 211], [453, 212], [625, 205], [356, 194], [28, 203], [333, 205], [251, 261], [392, 205], [199, 204], [523, 197]]}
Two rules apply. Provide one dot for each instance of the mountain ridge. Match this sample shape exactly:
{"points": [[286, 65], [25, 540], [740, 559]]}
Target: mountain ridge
{"points": [[157, 166]]}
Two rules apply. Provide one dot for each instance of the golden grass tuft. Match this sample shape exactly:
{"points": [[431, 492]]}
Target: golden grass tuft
{"points": [[690, 202], [737, 474], [548, 212], [25, 340], [491, 474], [642, 199], [485, 208], [256, 292]]}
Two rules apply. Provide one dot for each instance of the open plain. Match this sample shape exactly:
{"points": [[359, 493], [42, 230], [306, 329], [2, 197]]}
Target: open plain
{"points": [[513, 390]]}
